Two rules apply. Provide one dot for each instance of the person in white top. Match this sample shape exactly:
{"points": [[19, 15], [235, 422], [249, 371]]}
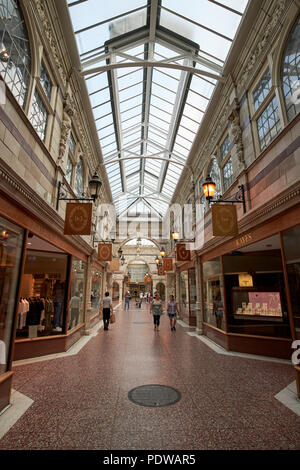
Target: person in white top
{"points": [[107, 309]]}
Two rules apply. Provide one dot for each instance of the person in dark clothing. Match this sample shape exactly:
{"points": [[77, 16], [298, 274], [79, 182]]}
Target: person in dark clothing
{"points": [[107, 309]]}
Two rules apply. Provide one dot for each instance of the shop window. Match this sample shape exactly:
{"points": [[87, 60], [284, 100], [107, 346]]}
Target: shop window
{"points": [[224, 148], [79, 178], [76, 302], [69, 171], [38, 115], [15, 58], [96, 291], [255, 293], [266, 112], [227, 174], [11, 241], [41, 308], [214, 172], [292, 255], [192, 292], [290, 73], [184, 293], [45, 81], [72, 144], [213, 294]]}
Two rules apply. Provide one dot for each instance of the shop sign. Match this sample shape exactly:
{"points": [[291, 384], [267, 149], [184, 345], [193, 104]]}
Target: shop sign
{"points": [[168, 264], [160, 270], [244, 240], [115, 265], [105, 252], [182, 254], [245, 280], [224, 220], [78, 219]]}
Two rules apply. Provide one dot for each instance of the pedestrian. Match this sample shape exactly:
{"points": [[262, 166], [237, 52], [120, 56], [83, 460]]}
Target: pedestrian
{"points": [[156, 310], [127, 300], [172, 312], [107, 309]]}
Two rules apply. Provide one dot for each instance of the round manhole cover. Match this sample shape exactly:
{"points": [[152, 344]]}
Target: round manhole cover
{"points": [[154, 395]]}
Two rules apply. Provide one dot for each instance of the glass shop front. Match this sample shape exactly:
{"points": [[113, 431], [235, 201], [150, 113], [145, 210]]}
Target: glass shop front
{"points": [[246, 292], [188, 294]]}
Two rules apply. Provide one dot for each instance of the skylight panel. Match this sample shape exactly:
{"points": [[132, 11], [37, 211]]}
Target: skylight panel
{"points": [[131, 112], [131, 78], [130, 103], [189, 124], [126, 124], [158, 121], [161, 102], [183, 152], [157, 138], [168, 94]]}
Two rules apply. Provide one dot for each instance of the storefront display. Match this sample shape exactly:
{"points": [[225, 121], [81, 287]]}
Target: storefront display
{"points": [[184, 293], [291, 248], [43, 291], [259, 308], [77, 297], [261, 304], [192, 292], [11, 241], [213, 294], [96, 291]]}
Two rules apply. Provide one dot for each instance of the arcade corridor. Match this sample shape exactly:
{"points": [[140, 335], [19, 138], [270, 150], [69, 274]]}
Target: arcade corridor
{"points": [[81, 401]]}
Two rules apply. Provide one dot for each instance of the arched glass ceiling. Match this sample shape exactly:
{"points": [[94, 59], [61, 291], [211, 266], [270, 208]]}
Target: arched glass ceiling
{"points": [[147, 117]]}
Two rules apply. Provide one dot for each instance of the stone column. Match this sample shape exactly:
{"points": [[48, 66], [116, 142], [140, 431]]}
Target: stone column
{"points": [[120, 291], [103, 284], [177, 288], [199, 290], [87, 303]]}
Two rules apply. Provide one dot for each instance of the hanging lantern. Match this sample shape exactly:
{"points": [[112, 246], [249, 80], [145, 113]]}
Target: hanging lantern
{"points": [[209, 188]]}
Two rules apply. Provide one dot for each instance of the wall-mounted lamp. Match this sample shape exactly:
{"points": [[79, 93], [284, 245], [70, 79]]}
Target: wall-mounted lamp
{"points": [[94, 187], [157, 260], [175, 236], [209, 190], [162, 252], [4, 55]]}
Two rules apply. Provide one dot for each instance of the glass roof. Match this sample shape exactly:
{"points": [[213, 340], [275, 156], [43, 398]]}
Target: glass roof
{"points": [[150, 70]]}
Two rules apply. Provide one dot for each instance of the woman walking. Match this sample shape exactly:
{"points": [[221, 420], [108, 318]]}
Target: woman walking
{"points": [[156, 310], [107, 309], [172, 312]]}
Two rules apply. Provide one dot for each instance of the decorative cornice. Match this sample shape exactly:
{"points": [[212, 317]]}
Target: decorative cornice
{"points": [[285, 201], [260, 47], [19, 191], [40, 6]]}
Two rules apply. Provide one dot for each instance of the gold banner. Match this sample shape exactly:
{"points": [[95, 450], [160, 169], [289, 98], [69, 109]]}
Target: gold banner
{"points": [[182, 254], [224, 220], [115, 264], [78, 219], [105, 252], [160, 270], [168, 264]]}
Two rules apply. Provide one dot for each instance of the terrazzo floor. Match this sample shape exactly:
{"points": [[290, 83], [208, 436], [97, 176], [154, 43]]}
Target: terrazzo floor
{"points": [[81, 401]]}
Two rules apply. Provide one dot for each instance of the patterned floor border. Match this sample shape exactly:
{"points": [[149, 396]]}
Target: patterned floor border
{"points": [[75, 349], [288, 396], [19, 404]]}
